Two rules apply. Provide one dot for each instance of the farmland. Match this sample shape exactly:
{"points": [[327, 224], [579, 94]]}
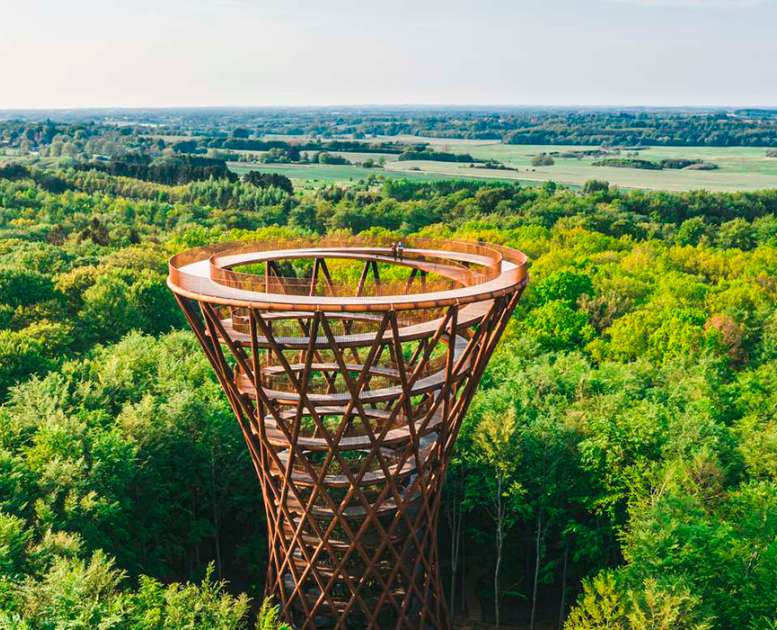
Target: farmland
{"points": [[740, 168], [245, 139], [314, 175]]}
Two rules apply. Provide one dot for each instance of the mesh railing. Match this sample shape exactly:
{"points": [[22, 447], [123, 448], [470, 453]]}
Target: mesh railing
{"points": [[454, 272], [304, 286], [449, 279], [294, 324]]}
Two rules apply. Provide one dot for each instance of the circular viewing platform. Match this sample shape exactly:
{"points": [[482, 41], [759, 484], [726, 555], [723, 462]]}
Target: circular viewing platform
{"points": [[440, 273], [349, 363]]}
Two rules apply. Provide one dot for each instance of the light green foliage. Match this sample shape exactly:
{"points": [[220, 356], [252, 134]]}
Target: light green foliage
{"points": [[158, 607], [84, 594], [43, 258], [147, 414], [657, 607], [607, 604], [723, 545], [268, 617], [600, 607], [496, 444], [495, 439], [73, 593], [121, 300], [13, 542], [108, 312], [565, 286], [661, 335], [557, 326]]}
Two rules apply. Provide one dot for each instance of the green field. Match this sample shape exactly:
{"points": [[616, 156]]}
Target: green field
{"points": [[354, 157], [7, 155], [740, 168], [312, 175]]}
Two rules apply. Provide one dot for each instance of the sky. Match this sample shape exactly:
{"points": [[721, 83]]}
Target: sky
{"points": [[179, 53]]}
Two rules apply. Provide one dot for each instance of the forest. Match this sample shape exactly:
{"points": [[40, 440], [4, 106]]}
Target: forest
{"points": [[634, 393], [376, 130]]}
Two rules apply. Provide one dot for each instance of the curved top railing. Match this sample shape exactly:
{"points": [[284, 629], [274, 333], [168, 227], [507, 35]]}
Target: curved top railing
{"points": [[458, 272]]}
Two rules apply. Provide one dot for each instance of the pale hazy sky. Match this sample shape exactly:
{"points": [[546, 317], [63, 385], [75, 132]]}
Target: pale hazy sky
{"points": [[159, 53]]}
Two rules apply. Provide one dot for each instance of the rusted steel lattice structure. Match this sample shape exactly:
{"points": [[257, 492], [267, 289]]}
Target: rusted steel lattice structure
{"points": [[349, 366]]}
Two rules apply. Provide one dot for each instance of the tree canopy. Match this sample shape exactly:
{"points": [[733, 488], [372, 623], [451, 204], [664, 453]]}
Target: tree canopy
{"points": [[618, 466]]}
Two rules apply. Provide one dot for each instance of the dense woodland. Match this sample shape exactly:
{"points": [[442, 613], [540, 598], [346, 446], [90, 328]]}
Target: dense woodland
{"points": [[628, 416], [718, 129], [110, 133]]}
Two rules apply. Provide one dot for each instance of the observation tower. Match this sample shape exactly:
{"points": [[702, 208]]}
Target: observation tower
{"points": [[349, 367]]}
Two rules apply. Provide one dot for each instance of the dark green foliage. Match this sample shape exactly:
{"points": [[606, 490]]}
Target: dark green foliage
{"points": [[630, 129], [435, 156], [145, 450], [679, 163], [629, 163], [595, 186], [23, 287], [170, 171], [186, 146], [693, 231], [13, 172], [31, 350], [737, 233], [267, 180], [656, 166], [328, 158], [542, 159], [282, 145], [244, 129]]}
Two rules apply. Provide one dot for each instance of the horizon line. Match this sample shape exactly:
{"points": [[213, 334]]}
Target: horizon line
{"points": [[379, 106]]}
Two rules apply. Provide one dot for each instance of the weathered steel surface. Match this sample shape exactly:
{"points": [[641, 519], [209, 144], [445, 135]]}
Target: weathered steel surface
{"points": [[350, 394]]}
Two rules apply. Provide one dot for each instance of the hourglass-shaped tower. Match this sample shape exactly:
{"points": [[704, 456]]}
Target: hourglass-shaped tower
{"points": [[349, 364]]}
